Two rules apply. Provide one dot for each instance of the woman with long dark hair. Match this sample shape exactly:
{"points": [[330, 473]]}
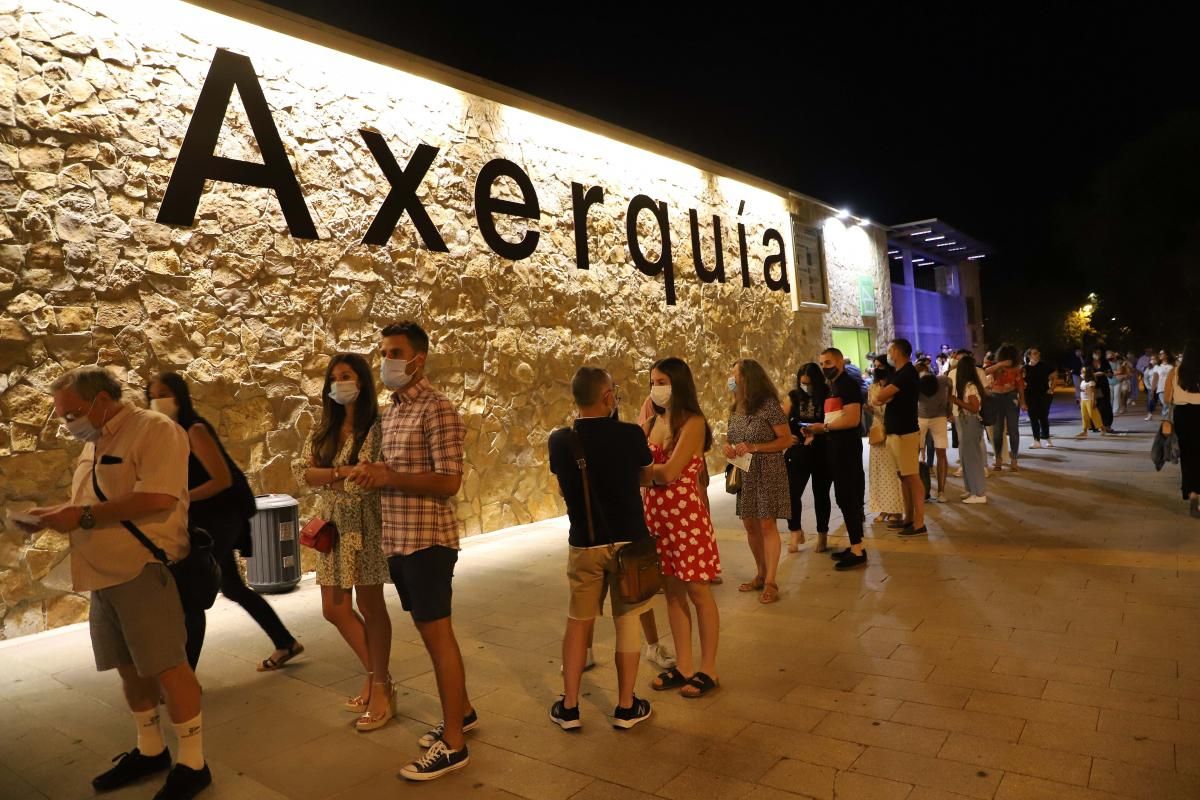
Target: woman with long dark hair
{"points": [[679, 521], [967, 399], [885, 495], [1183, 397], [759, 428], [347, 434], [805, 405], [1008, 391], [222, 504]]}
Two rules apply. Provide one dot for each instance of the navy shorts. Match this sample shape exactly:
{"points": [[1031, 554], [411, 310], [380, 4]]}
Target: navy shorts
{"points": [[424, 581]]}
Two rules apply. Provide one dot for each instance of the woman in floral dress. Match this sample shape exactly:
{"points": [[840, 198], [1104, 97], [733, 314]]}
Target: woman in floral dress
{"points": [[347, 434]]}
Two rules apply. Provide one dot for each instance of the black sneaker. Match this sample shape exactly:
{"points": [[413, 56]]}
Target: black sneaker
{"points": [[910, 531], [628, 717], [130, 767], [437, 761], [470, 723], [838, 555], [565, 718], [851, 562], [184, 783]]}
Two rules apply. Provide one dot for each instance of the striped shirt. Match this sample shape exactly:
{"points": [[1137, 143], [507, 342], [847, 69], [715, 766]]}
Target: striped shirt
{"points": [[422, 433]]}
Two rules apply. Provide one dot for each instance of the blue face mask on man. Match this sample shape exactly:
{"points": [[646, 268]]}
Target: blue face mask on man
{"points": [[82, 428]]}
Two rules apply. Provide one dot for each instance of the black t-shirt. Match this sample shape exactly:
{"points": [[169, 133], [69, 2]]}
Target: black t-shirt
{"points": [[900, 414], [616, 452], [843, 391], [1037, 378]]}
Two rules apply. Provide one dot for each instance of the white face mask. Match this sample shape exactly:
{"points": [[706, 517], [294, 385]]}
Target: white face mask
{"points": [[394, 373], [166, 406], [660, 395], [343, 392], [804, 387], [82, 428]]}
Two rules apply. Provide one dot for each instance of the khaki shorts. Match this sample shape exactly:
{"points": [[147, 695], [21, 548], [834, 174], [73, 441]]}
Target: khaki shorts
{"points": [[139, 622], [905, 449], [591, 575], [937, 427]]}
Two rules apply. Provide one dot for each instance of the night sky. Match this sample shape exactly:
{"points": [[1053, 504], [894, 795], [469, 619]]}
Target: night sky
{"points": [[1064, 140]]}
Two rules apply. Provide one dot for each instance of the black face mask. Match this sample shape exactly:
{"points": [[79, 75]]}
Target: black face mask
{"points": [[830, 373]]}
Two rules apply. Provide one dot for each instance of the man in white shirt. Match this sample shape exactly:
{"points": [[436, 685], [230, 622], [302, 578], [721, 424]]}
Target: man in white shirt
{"points": [[132, 472]]}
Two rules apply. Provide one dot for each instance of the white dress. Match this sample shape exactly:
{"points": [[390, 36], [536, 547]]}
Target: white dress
{"points": [[884, 494]]}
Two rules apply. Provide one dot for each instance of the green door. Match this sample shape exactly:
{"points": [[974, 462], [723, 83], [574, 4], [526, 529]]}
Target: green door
{"points": [[855, 344]]}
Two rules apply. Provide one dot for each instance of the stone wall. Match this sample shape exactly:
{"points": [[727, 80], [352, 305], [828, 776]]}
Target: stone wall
{"points": [[93, 110]]}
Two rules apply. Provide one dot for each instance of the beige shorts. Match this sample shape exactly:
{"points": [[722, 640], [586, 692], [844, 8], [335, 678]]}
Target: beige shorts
{"points": [[905, 449], [592, 575], [139, 622], [935, 426]]}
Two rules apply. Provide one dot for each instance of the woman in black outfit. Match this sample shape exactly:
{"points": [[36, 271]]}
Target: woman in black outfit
{"points": [[1101, 369], [222, 504], [806, 404], [1182, 396]]}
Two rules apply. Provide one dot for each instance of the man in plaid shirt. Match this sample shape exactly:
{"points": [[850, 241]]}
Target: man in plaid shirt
{"points": [[420, 473]]}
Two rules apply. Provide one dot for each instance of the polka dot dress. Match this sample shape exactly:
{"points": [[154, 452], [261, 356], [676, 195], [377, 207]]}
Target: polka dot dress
{"points": [[681, 525]]}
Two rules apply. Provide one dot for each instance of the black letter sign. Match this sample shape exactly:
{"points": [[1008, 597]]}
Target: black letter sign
{"points": [[780, 284], [581, 201], [403, 194], [664, 265], [196, 162], [706, 275], [486, 206]]}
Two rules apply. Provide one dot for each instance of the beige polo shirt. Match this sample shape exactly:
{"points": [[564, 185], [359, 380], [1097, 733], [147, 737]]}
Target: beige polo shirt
{"points": [[138, 451]]}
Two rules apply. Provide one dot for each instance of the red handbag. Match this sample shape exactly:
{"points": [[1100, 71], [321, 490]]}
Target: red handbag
{"points": [[319, 534]]}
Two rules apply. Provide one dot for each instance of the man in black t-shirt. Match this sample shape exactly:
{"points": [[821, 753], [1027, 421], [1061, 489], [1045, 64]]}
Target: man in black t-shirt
{"points": [[843, 413], [618, 464], [1040, 380], [903, 435]]}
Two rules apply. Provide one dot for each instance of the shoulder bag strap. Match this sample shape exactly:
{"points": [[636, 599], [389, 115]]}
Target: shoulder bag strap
{"points": [[154, 549], [581, 462]]}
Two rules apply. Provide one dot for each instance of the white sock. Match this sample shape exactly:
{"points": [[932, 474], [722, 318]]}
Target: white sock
{"points": [[149, 732], [191, 743]]}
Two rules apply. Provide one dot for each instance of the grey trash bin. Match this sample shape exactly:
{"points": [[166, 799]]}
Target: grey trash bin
{"points": [[275, 531]]}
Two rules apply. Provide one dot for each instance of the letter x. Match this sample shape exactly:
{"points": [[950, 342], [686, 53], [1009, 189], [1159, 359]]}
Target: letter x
{"points": [[403, 194]]}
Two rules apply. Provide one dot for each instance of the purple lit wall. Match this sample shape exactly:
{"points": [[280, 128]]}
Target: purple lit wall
{"points": [[943, 319]]}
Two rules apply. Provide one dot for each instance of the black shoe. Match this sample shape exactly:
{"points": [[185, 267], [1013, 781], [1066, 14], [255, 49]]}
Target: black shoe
{"points": [[851, 562], [470, 723], [838, 555], [130, 767], [565, 718], [910, 531], [628, 717], [436, 762], [184, 783]]}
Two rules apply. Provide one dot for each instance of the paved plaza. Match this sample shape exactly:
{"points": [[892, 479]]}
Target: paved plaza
{"points": [[1043, 646]]}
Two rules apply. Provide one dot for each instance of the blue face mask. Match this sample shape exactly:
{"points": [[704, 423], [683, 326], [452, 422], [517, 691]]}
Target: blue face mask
{"points": [[731, 384], [394, 373], [343, 392], [82, 428]]}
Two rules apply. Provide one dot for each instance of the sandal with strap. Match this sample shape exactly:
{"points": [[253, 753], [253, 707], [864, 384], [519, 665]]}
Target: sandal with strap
{"points": [[770, 594], [671, 679], [752, 586], [271, 664], [702, 683]]}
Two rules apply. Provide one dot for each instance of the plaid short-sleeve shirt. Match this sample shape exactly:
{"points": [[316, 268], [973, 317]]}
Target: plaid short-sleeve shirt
{"points": [[422, 432]]}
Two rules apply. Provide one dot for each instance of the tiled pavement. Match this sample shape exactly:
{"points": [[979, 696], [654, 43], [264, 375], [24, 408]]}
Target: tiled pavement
{"points": [[1043, 646]]}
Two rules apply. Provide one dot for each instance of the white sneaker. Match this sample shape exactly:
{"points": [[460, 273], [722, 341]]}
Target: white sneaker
{"points": [[660, 654], [1149, 417], [1036, 446], [1049, 443], [974, 499]]}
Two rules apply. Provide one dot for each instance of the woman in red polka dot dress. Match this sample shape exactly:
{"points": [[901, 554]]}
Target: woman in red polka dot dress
{"points": [[678, 518]]}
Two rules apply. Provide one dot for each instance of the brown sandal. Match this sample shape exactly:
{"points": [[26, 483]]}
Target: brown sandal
{"points": [[752, 586], [770, 594]]}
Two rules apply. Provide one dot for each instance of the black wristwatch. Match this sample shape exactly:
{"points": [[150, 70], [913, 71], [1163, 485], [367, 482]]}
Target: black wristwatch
{"points": [[86, 520]]}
